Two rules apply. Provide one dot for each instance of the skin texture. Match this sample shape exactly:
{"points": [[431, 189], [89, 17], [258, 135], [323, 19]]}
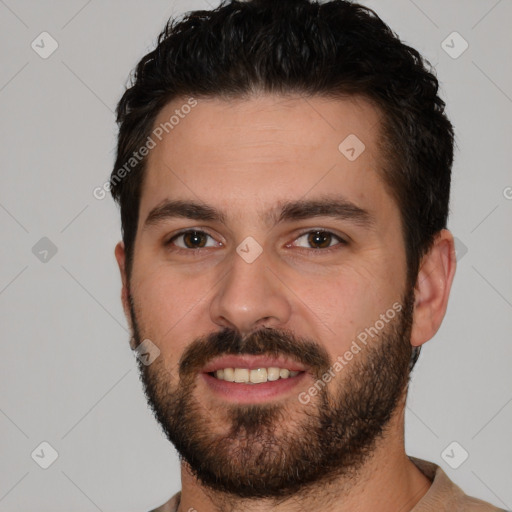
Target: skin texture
{"points": [[245, 157]]}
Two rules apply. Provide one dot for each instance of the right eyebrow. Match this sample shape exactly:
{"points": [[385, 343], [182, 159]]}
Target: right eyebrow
{"points": [[183, 209]]}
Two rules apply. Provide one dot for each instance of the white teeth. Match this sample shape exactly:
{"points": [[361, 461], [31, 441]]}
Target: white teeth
{"points": [[229, 374], [284, 373], [272, 373], [241, 375], [255, 376], [258, 375]]}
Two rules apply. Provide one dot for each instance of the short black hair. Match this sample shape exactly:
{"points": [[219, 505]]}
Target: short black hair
{"points": [[333, 49]]}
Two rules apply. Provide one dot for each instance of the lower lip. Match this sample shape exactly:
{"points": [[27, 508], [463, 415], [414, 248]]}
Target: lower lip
{"points": [[252, 393]]}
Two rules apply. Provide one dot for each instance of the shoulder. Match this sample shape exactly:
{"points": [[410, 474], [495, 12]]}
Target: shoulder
{"points": [[169, 506], [445, 495]]}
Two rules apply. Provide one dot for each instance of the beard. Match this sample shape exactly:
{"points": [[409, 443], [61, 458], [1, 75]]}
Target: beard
{"points": [[281, 449]]}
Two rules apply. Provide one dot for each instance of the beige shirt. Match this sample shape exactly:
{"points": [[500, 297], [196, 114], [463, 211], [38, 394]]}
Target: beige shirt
{"points": [[442, 496]]}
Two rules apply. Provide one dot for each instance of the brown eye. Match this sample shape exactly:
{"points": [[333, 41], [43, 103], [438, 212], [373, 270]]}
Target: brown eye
{"points": [[191, 239], [322, 239], [194, 239], [319, 240]]}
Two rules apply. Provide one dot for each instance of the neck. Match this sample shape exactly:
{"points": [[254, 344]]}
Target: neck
{"points": [[388, 481]]}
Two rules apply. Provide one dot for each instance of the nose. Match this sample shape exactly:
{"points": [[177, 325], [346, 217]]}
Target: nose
{"points": [[250, 296]]}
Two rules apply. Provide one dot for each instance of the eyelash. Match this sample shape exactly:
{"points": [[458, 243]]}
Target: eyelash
{"points": [[196, 251]]}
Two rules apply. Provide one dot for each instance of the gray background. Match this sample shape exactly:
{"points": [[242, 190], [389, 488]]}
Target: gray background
{"points": [[67, 374]]}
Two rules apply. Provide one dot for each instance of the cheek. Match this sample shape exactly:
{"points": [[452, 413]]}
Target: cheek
{"points": [[347, 301], [161, 302]]}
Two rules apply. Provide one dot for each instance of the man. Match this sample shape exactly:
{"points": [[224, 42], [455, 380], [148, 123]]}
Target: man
{"points": [[283, 171]]}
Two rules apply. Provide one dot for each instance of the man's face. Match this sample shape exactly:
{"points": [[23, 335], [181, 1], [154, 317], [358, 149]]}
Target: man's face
{"points": [[295, 284]]}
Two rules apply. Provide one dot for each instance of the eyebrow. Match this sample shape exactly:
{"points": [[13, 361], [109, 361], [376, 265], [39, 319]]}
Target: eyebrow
{"points": [[338, 208]]}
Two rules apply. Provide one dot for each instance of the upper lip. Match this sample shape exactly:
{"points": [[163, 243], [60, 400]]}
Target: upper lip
{"points": [[251, 363]]}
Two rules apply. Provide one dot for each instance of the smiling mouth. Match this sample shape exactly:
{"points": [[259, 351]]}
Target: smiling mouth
{"points": [[255, 375]]}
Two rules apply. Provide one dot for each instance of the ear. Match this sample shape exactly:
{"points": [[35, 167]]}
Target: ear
{"points": [[125, 292], [432, 289]]}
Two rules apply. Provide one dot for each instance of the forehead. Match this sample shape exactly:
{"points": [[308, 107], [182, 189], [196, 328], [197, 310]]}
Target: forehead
{"points": [[264, 149]]}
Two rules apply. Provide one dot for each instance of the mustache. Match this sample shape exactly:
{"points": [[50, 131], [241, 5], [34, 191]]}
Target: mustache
{"points": [[265, 341]]}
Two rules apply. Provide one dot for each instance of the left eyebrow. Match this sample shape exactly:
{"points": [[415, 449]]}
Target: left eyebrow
{"points": [[338, 208]]}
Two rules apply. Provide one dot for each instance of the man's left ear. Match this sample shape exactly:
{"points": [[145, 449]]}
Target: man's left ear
{"points": [[437, 269]]}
